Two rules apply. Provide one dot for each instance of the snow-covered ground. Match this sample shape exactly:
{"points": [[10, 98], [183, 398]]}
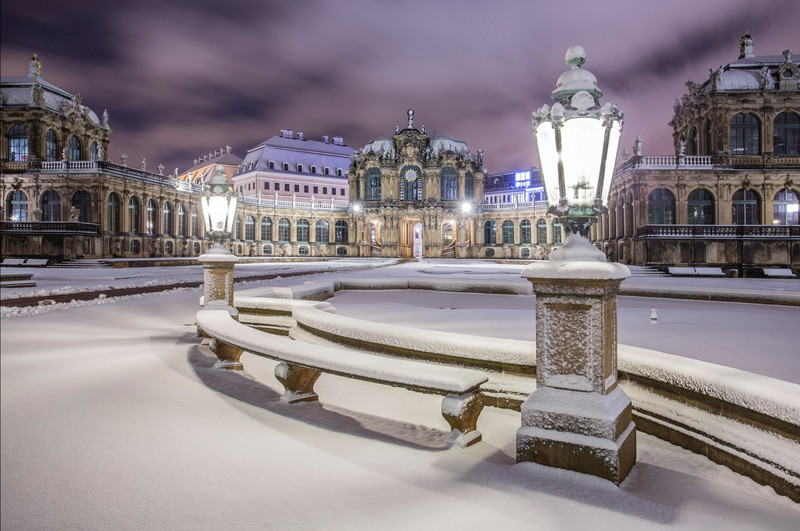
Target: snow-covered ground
{"points": [[113, 417]]}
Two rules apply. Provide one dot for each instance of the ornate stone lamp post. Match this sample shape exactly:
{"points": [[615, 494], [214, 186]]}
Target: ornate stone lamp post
{"points": [[578, 418], [219, 210]]}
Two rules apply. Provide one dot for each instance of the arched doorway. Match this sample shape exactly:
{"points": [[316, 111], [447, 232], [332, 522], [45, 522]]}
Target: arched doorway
{"points": [[411, 239]]}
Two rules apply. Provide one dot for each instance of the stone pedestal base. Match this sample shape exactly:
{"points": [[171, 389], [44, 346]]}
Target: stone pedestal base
{"points": [[218, 279], [586, 432]]}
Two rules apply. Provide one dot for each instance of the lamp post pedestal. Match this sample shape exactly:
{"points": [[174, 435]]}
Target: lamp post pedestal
{"points": [[218, 265], [578, 418]]}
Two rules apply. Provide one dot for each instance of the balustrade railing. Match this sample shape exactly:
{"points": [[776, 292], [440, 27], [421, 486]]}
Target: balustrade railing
{"points": [[529, 205], [718, 231], [50, 227]]}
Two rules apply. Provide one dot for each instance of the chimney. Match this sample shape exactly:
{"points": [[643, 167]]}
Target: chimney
{"points": [[326, 139], [228, 149], [338, 141], [299, 135], [287, 133]]}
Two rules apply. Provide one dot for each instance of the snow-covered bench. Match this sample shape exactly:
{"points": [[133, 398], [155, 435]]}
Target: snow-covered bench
{"points": [[696, 271], [778, 273], [13, 262], [302, 363], [36, 262]]}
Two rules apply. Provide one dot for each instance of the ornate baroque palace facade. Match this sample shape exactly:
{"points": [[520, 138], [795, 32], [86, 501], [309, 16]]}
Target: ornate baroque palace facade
{"points": [[729, 195]]}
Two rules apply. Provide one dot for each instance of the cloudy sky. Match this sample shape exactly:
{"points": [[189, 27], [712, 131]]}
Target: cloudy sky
{"points": [[182, 78]]}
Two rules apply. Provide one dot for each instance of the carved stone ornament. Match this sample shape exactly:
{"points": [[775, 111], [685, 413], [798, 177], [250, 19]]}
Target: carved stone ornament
{"points": [[582, 101]]}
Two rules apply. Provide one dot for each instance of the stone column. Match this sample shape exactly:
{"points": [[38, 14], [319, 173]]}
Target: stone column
{"points": [[578, 418], [218, 280]]}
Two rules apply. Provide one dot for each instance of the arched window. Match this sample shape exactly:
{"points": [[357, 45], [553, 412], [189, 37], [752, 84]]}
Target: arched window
{"points": [[285, 166], [410, 183], [490, 233], [322, 230], [746, 207], [701, 207], [113, 213], [340, 230], [508, 232], [17, 206], [447, 234], [541, 232], [786, 208], [74, 148], [373, 177], [181, 221], [786, 134], [51, 206], [745, 134], [51, 146], [299, 168], [93, 153], [339, 172], [284, 230], [166, 223], [709, 145], [694, 148], [272, 164], [469, 186], [249, 228], [313, 169], [557, 239], [83, 202], [194, 223], [266, 229], [133, 215], [661, 207], [302, 230], [237, 228], [525, 232], [18, 143], [449, 183], [151, 223]]}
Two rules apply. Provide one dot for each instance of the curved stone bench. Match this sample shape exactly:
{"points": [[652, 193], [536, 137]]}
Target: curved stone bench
{"points": [[301, 365]]}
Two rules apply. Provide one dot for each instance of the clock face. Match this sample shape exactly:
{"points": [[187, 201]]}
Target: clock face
{"points": [[410, 175]]}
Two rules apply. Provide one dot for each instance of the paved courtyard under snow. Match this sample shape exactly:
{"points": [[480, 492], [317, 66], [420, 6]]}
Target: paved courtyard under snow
{"points": [[113, 417]]}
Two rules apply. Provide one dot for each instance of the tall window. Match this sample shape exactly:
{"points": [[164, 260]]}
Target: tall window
{"points": [[93, 152], [83, 202], [469, 186], [449, 183], [508, 232], [541, 232], [525, 232], [557, 239], [250, 228], [745, 139], [237, 228], [490, 233], [266, 229], [51, 206], [661, 207], [284, 230], [786, 134], [410, 183], [786, 208], [709, 145], [181, 221], [17, 206], [447, 234], [373, 177], [694, 148], [51, 146], [18, 143], [340, 231], [152, 217], [746, 207], [302, 230], [166, 224], [133, 215], [322, 230], [113, 213], [194, 223], [74, 148], [701, 207]]}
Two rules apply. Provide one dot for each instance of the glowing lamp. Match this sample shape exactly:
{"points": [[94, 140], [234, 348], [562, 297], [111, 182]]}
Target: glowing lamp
{"points": [[577, 141], [219, 206]]}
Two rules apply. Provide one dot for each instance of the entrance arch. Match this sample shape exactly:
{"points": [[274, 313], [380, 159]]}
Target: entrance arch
{"points": [[411, 238]]}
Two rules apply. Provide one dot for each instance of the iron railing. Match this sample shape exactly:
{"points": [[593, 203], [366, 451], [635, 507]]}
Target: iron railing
{"points": [[718, 231], [49, 227]]}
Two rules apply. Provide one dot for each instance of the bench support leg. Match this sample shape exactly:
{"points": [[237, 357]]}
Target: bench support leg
{"points": [[227, 355], [461, 412], [298, 382]]}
